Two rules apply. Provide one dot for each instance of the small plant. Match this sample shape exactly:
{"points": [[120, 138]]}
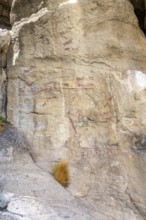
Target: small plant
{"points": [[4, 120], [3, 124], [60, 172], [2, 127]]}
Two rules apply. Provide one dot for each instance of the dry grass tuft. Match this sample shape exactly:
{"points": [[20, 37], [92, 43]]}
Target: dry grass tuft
{"points": [[60, 172]]}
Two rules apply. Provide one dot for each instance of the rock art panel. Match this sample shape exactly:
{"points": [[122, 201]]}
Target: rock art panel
{"points": [[76, 89]]}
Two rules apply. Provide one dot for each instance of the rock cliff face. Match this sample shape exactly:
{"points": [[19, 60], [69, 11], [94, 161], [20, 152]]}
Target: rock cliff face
{"points": [[4, 45], [76, 88], [5, 7]]}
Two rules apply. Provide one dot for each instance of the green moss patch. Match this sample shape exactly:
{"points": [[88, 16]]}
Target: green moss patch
{"points": [[4, 121]]}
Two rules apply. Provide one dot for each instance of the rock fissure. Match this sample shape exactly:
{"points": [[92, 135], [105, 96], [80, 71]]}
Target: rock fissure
{"points": [[136, 206], [140, 12]]}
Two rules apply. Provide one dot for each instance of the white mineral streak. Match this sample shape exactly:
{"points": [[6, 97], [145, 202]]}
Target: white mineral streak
{"points": [[141, 79], [17, 27], [68, 2], [135, 80]]}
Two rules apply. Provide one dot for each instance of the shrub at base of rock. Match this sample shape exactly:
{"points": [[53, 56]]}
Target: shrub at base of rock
{"points": [[60, 172]]}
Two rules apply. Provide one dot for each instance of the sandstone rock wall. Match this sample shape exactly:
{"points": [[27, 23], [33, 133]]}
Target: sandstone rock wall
{"points": [[76, 88], [4, 45], [5, 39], [66, 58]]}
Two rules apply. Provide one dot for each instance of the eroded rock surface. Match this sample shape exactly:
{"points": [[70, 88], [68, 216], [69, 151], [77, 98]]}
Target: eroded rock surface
{"points": [[76, 88], [28, 192], [5, 7], [5, 39]]}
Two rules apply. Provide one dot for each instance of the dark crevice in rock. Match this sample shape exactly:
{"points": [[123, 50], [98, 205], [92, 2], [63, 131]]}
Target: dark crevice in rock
{"points": [[4, 103], [4, 83], [140, 12], [3, 200], [4, 209], [5, 16], [140, 143], [5, 8]]}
